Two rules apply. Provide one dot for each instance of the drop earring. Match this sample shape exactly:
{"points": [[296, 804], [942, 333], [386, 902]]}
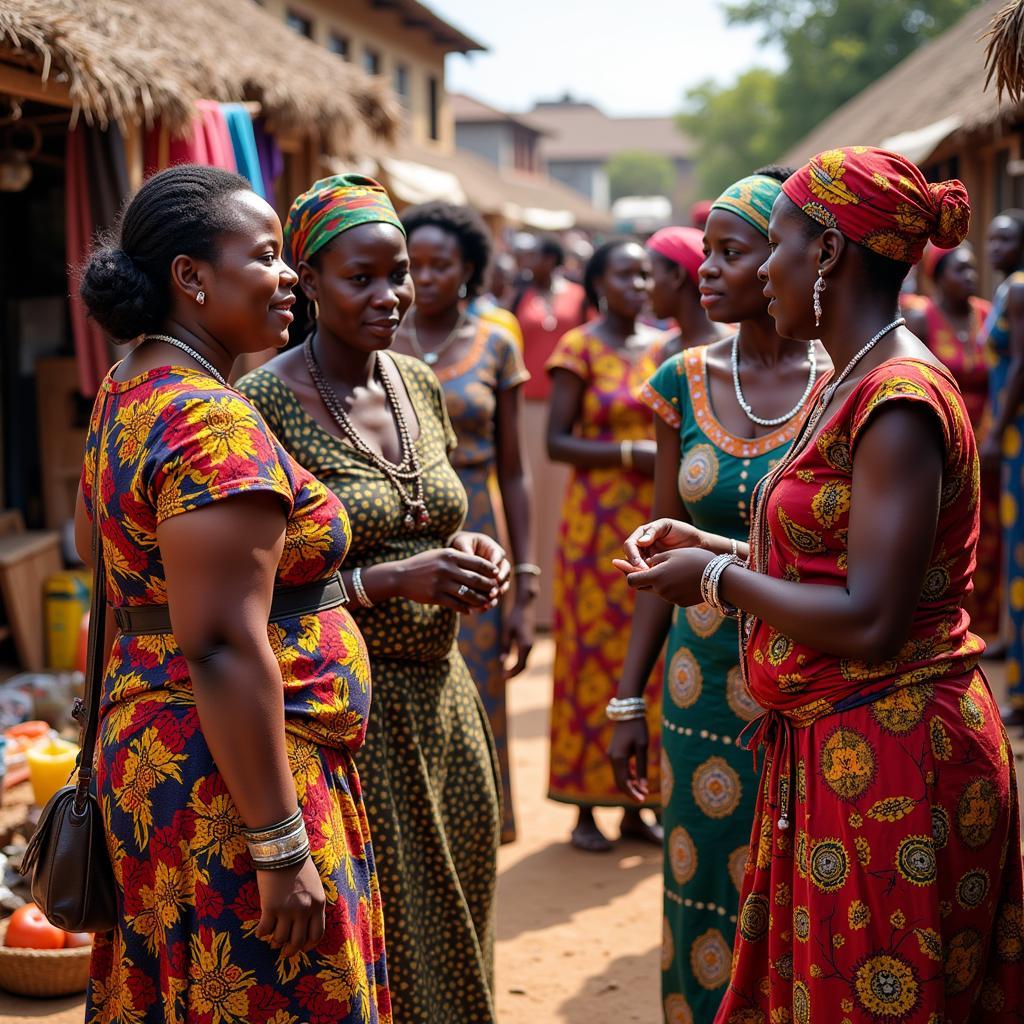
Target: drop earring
{"points": [[602, 305], [314, 310], [200, 296], [819, 287], [463, 290]]}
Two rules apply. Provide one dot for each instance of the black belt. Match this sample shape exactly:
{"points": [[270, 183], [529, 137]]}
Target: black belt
{"points": [[288, 602]]}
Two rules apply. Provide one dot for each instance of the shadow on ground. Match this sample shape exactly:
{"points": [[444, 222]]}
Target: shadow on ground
{"points": [[604, 998]]}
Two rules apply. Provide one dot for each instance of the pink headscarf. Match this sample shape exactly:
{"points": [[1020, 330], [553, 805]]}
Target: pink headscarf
{"points": [[684, 246]]}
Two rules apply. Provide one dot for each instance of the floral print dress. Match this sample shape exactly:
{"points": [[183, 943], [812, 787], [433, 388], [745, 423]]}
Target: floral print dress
{"points": [[894, 893], [593, 602], [168, 442]]}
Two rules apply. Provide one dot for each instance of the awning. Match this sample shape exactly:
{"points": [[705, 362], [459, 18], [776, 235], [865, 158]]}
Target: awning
{"points": [[413, 182], [539, 218], [919, 144]]}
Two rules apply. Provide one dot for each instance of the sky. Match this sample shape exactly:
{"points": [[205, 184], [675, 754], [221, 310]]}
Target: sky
{"points": [[630, 57]]}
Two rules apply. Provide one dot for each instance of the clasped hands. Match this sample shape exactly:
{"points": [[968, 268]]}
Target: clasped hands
{"points": [[668, 558]]}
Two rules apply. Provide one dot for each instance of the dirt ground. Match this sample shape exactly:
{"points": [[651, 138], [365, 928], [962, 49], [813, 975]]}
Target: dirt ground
{"points": [[578, 934]]}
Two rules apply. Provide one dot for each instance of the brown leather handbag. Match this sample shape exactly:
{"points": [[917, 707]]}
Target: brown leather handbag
{"points": [[67, 861]]}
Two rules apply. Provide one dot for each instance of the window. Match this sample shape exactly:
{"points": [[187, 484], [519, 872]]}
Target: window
{"points": [[299, 23], [371, 61], [338, 44], [402, 80], [433, 101]]}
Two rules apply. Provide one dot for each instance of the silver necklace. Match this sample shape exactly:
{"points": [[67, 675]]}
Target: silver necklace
{"points": [[745, 405], [191, 352], [833, 386], [431, 357]]}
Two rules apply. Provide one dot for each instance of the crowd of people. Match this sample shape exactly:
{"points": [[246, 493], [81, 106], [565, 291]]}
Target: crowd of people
{"points": [[792, 496]]}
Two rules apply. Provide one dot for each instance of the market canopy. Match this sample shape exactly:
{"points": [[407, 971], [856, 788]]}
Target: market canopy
{"points": [[142, 60]]}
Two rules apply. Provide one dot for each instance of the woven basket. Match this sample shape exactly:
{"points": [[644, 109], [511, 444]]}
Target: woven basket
{"points": [[43, 972]]}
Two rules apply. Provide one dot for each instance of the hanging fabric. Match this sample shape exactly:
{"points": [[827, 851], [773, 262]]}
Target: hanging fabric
{"points": [[243, 144]]}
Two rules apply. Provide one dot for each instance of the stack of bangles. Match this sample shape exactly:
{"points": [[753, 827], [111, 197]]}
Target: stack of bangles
{"points": [[281, 846], [625, 709], [711, 578]]}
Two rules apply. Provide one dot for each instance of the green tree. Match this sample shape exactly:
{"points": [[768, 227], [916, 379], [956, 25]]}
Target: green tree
{"points": [[636, 172], [736, 128]]}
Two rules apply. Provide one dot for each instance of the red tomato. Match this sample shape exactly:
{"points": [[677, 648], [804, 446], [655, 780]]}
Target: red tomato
{"points": [[72, 940], [29, 929]]}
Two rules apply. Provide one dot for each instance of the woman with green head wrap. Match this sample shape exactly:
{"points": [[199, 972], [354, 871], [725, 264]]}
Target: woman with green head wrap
{"points": [[372, 425]]}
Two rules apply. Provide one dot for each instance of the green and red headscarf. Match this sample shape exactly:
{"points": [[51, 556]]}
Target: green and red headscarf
{"points": [[331, 206], [880, 200]]}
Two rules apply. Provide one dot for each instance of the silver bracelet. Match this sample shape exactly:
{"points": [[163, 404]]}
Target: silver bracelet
{"points": [[272, 832], [280, 846], [357, 585], [526, 569], [711, 578], [625, 709]]}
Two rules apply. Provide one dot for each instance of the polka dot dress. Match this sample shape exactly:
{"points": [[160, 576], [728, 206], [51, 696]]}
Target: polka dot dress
{"points": [[428, 764]]}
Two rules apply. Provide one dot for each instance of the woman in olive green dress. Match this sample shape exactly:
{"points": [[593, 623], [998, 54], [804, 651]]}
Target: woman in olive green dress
{"points": [[372, 426]]}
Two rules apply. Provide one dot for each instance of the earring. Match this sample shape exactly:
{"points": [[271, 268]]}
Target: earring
{"points": [[602, 305], [819, 287], [463, 290], [200, 296], [314, 310]]}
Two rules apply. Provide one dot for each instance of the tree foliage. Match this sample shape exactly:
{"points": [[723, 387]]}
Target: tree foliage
{"points": [[637, 172], [833, 50]]}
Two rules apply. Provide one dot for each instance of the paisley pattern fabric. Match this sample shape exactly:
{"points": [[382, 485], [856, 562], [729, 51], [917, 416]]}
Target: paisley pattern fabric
{"points": [[171, 441], [593, 603], [708, 783], [895, 892], [997, 347], [969, 367], [493, 364], [430, 769]]}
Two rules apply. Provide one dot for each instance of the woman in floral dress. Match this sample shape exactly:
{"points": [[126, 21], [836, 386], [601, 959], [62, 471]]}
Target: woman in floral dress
{"points": [[885, 880], [599, 425], [213, 720]]}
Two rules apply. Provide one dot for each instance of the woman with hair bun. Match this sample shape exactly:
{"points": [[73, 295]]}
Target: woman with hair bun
{"points": [[884, 879], [224, 712]]}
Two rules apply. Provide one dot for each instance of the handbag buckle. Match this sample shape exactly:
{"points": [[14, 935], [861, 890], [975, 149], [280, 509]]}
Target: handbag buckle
{"points": [[78, 710]]}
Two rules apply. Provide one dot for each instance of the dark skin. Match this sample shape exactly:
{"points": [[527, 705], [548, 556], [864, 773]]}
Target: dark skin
{"points": [[1005, 246], [955, 283], [734, 294], [897, 473], [220, 560], [362, 286], [625, 287], [439, 271], [674, 296]]}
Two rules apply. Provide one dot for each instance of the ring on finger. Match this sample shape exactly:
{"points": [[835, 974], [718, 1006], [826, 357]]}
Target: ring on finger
{"points": [[462, 591]]}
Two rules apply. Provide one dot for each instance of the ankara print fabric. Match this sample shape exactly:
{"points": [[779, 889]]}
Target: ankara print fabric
{"points": [[593, 602], [895, 893], [171, 441], [708, 781], [471, 386]]}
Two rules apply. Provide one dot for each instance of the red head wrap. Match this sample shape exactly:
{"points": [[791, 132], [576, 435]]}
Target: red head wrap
{"points": [[881, 201], [930, 260], [684, 246], [699, 213]]}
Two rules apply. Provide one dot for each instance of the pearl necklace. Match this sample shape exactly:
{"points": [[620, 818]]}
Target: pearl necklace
{"points": [[405, 472], [745, 405], [192, 353], [431, 357]]}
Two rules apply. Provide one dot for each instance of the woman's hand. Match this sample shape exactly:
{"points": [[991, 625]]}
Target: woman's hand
{"points": [[656, 537], [673, 575], [482, 546], [517, 636], [628, 753], [450, 577], [292, 902]]}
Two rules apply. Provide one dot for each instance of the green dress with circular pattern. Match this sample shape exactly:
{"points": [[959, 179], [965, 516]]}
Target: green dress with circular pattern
{"points": [[428, 765]]}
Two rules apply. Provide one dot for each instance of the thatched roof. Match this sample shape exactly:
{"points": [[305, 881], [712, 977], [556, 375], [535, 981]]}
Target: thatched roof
{"points": [[936, 93], [139, 60]]}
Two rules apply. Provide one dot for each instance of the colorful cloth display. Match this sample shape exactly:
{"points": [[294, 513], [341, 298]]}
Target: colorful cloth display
{"points": [[243, 145]]}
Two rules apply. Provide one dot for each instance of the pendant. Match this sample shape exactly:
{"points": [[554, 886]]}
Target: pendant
{"points": [[409, 521], [550, 322], [430, 358], [423, 516]]}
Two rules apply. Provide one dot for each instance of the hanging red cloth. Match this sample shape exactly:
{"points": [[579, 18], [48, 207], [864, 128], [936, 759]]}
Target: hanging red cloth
{"points": [[208, 144]]}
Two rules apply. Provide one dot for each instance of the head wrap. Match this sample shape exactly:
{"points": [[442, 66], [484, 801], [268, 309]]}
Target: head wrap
{"points": [[881, 200], [751, 198], [331, 206], [684, 246], [700, 212], [931, 258]]}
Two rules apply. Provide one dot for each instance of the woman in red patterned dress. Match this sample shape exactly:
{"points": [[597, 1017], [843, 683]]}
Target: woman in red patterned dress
{"points": [[885, 877]]}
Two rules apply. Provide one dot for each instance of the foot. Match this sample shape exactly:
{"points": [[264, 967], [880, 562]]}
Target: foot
{"points": [[588, 837], [1013, 717], [634, 827]]}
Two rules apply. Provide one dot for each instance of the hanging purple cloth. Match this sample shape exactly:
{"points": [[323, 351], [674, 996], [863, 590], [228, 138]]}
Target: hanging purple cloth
{"points": [[271, 159]]}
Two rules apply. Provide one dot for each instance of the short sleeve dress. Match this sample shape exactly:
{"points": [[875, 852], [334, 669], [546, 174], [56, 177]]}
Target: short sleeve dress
{"points": [[885, 875], [492, 365], [428, 763], [708, 783], [168, 442]]}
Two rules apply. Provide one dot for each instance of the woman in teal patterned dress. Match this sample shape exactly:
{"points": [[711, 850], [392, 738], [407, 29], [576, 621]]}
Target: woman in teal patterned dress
{"points": [[481, 370], [711, 453]]}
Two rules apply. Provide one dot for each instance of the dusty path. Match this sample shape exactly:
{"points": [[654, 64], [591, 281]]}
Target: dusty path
{"points": [[578, 934]]}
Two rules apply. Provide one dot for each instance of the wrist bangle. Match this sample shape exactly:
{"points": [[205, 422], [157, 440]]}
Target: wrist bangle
{"points": [[626, 454], [280, 846], [625, 709], [357, 585], [526, 569]]}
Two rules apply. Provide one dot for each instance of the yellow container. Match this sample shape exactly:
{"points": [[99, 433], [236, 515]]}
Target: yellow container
{"points": [[51, 764], [67, 600]]}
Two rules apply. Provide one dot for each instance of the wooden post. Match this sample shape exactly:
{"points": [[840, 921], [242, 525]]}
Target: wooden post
{"points": [[133, 154]]}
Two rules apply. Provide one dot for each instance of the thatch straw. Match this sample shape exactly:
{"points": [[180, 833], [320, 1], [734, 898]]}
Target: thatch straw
{"points": [[139, 60], [1004, 54]]}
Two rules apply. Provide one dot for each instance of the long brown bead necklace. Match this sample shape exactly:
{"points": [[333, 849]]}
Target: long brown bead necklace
{"points": [[405, 473]]}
